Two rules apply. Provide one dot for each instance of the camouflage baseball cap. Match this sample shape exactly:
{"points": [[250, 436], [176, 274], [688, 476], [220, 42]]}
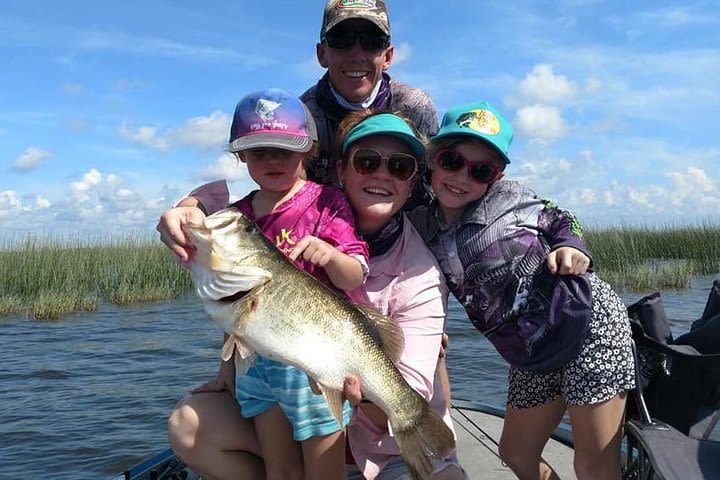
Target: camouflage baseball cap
{"points": [[337, 11]]}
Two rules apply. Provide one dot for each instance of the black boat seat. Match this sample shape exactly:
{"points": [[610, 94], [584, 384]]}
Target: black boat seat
{"points": [[672, 455]]}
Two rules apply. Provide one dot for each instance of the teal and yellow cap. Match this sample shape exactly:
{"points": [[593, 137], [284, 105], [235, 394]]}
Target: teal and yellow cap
{"points": [[479, 120]]}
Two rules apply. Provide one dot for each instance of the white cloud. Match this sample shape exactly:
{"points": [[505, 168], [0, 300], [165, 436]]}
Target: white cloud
{"points": [[540, 122], [226, 166], [402, 53], [145, 135], [542, 85], [203, 133], [588, 196], [72, 88], [30, 158]]}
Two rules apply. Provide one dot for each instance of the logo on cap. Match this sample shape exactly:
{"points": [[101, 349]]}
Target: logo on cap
{"points": [[481, 120], [265, 109], [356, 4]]}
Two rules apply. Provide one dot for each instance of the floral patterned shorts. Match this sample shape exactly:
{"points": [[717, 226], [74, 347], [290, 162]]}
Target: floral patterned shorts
{"points": [[604, 367]]}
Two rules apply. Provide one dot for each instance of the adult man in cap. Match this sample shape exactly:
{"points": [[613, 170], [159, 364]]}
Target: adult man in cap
{"points": [[356, 50]]}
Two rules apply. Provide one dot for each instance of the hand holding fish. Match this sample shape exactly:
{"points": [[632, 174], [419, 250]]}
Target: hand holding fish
{"points": [[314, 250], [336, 264], [171, 225], [223, 382], [568, 261]]}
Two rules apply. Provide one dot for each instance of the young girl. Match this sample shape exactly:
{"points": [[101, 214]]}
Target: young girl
{"points": [[517, 265], [272, 133]]}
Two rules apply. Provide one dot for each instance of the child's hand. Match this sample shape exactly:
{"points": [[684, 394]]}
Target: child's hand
{"points": [[313, 250], [567, 261]]}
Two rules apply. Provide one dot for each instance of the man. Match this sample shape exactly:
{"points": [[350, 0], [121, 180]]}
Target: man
{"points": [[356, 50]]}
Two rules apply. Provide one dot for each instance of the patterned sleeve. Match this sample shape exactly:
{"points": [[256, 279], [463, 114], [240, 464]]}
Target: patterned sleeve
{"points": [[561, 228]]}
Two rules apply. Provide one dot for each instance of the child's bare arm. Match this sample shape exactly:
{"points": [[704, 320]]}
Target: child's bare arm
{"points": [[345, 272]]}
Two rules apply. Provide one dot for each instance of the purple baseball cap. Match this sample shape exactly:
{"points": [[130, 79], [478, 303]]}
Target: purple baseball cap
{"points": [[272, 118]]}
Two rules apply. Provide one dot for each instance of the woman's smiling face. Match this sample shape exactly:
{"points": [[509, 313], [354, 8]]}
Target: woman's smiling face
{"points": [[377, 196]]}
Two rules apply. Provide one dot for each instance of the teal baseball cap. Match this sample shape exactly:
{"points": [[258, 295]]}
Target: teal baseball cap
{"points": [[386, 124], [479, 120]]}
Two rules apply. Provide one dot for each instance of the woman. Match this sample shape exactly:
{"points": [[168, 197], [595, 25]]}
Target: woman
{"points": [[380, 157]]}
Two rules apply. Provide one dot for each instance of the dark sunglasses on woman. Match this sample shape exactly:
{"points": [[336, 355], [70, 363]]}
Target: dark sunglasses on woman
{"points": [[453, 161], [370, 42], [400, 165]]}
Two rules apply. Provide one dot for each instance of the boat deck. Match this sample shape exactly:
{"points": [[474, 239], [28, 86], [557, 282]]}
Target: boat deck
{"points": [[478, 431], [478, 427]]}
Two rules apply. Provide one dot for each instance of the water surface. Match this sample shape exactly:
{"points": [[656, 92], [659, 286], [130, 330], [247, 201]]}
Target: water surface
{"points": [[88, 395]]}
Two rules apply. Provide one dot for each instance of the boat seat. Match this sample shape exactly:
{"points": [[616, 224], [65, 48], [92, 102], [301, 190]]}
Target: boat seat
{"points": [[661, 451]]}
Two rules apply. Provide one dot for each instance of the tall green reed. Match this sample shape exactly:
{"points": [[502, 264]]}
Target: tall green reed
{"points": [[46, 279]]}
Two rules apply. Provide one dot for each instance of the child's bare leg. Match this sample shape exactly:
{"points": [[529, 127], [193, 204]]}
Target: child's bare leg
{"points": [[208, 433], [282, 454], [325, 456], [597, 432], [525, 433]]}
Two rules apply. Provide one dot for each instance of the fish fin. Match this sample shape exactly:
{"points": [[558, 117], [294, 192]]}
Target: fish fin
{"points": [[242, 364], [334, 399], [244, 356], [425, 442], [228, 349], [390, 336]]}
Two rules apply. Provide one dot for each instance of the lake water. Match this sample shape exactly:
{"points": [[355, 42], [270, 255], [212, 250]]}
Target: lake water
{"points": [[88, 395]]}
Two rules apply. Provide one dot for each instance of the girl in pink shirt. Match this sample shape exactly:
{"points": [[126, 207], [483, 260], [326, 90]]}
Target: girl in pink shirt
{"points": [[297, 436]]}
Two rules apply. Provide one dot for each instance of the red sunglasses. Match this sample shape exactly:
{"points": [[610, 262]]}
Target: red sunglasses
{"points": [[400, 165], [453, 161]]}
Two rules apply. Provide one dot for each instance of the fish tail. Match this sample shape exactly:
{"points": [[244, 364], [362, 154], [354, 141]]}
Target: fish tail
{"points": [[423, 443]]}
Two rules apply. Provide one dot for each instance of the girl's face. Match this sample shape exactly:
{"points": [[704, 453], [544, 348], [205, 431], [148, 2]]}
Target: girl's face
{"points": [[456, 188], [274, 169], [376, 196]]}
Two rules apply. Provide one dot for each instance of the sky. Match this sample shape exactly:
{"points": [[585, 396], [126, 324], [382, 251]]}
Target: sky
{"points": [[111, 111]]}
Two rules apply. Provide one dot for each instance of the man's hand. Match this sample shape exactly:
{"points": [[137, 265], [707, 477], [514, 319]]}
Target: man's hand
{"points": [[351, 389], [568, 261], [171, 232]]}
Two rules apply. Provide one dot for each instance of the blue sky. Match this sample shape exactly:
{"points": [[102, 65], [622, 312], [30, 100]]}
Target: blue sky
{"points": [[110, 111]]}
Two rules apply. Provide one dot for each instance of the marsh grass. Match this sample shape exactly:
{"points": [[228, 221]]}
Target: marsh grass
{"points": [[644, 258], [45, 279]]}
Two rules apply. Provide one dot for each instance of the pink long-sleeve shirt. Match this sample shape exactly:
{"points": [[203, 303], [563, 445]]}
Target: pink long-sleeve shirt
{"points": [[406, 284]]}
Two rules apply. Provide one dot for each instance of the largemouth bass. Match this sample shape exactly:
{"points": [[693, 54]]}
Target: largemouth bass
{"points": [[269, 306]]}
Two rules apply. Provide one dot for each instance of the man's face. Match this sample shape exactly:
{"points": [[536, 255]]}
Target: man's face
{"points": [[355, 57]]}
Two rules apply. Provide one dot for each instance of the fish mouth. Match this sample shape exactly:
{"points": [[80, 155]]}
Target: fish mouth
{"points": [[234, 297]]}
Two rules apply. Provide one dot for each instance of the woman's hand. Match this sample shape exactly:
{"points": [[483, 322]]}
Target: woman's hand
{"points": [[171, 232], [568, 261]]}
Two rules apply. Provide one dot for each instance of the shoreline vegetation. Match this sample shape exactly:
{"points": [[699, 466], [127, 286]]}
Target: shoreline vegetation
{"points": [[45, 279]]}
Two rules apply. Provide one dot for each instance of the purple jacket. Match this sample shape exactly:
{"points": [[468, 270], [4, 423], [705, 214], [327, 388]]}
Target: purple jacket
{"points": [[494, 260]]}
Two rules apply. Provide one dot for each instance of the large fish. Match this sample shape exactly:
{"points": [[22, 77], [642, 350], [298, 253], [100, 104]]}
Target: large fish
{"points": [[269, 306]]}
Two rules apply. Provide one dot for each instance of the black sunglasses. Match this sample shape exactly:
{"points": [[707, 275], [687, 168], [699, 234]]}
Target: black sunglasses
{"points": [[453, 161], [400, 165], [370, 42]]}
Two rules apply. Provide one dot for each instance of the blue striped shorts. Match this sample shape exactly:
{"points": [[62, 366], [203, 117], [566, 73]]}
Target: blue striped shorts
{"points": [[269, 382]]}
